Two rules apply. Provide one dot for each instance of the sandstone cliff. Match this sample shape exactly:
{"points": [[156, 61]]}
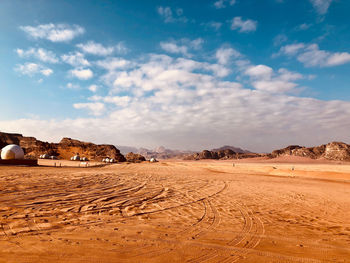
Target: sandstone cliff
{"points": [[65, 149], [221, 154], [337, 151]]}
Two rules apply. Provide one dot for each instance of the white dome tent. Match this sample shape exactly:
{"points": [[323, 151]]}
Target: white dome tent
{"points": [[11, 152], [76, 158], [44, 156]]}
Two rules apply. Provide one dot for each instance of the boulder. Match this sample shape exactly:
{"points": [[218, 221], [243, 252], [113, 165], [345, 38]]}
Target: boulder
{"points": [[337, 151]]}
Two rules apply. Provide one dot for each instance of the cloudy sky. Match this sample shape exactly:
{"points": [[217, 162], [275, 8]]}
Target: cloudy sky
{"points": [[183, 74]]}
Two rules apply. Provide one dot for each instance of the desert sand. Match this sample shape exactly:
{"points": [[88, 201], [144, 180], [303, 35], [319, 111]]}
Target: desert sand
{"points": [[176, 211]]}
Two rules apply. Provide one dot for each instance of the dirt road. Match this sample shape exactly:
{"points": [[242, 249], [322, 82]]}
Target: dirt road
{"points": [[176, 212]]}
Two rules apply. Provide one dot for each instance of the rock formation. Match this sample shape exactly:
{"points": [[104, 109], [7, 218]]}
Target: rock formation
{"points": [[337, 151], [65, 149], [233, 148], [162, 153], [221, 154], [134, 157]]}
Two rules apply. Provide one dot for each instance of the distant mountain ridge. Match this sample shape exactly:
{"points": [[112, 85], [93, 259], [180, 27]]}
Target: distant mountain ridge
{"points": [[159, 153], [163, 153], [67, 147], [336, 151]]}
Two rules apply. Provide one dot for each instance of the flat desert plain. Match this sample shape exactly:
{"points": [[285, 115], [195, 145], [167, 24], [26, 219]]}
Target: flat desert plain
{"points": [[176, 211]]}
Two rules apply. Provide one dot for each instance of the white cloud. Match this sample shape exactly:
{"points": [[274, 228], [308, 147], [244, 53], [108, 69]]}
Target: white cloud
{"points": [[93, 88], [243, 26], [182, 46], [224, 55], [46, 72], [264, 78], [167, 14], [222, 3], [28, 69], [292, 49], [338, 58], [31, 69], [54, 32], [122, 101], [321, 6], [113, 63], [259, 71], [95, 109], [180, 103], [82, 74], [172, 47], [38, 53], [94, 48], [75, 59], [311, 55], [98, 49]]}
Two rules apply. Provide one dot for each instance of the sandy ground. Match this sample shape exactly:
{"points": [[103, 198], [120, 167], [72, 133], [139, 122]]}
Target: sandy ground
{"points": [[176, 211]]}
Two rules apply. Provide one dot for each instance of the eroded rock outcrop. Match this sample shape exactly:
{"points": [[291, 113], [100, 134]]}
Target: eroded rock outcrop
{"points": [[134, 157], [65, 149], [337, 151], [221, 154]]}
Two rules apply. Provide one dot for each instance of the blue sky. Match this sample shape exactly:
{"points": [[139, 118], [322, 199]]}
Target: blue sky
{"points": [[184, 74]]}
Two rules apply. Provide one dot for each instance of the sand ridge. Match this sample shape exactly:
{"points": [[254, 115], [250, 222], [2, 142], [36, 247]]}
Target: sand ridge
{"points": [[176, 211]]}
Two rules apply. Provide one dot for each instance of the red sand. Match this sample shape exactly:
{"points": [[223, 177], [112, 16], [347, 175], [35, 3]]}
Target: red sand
{"points": [[176, 211]]}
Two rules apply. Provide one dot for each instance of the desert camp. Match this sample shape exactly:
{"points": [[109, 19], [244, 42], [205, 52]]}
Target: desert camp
{"points": [[208, 131]]}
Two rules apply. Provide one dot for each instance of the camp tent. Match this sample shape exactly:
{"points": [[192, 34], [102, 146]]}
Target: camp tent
{"points": [[12, 151]]}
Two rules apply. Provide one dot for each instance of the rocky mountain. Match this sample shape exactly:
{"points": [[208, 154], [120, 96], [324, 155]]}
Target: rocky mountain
{"points": [[221, 154], [65, 149], [227, 147], [159, 153], [134, 157], [126, 149], [338, 151]]}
